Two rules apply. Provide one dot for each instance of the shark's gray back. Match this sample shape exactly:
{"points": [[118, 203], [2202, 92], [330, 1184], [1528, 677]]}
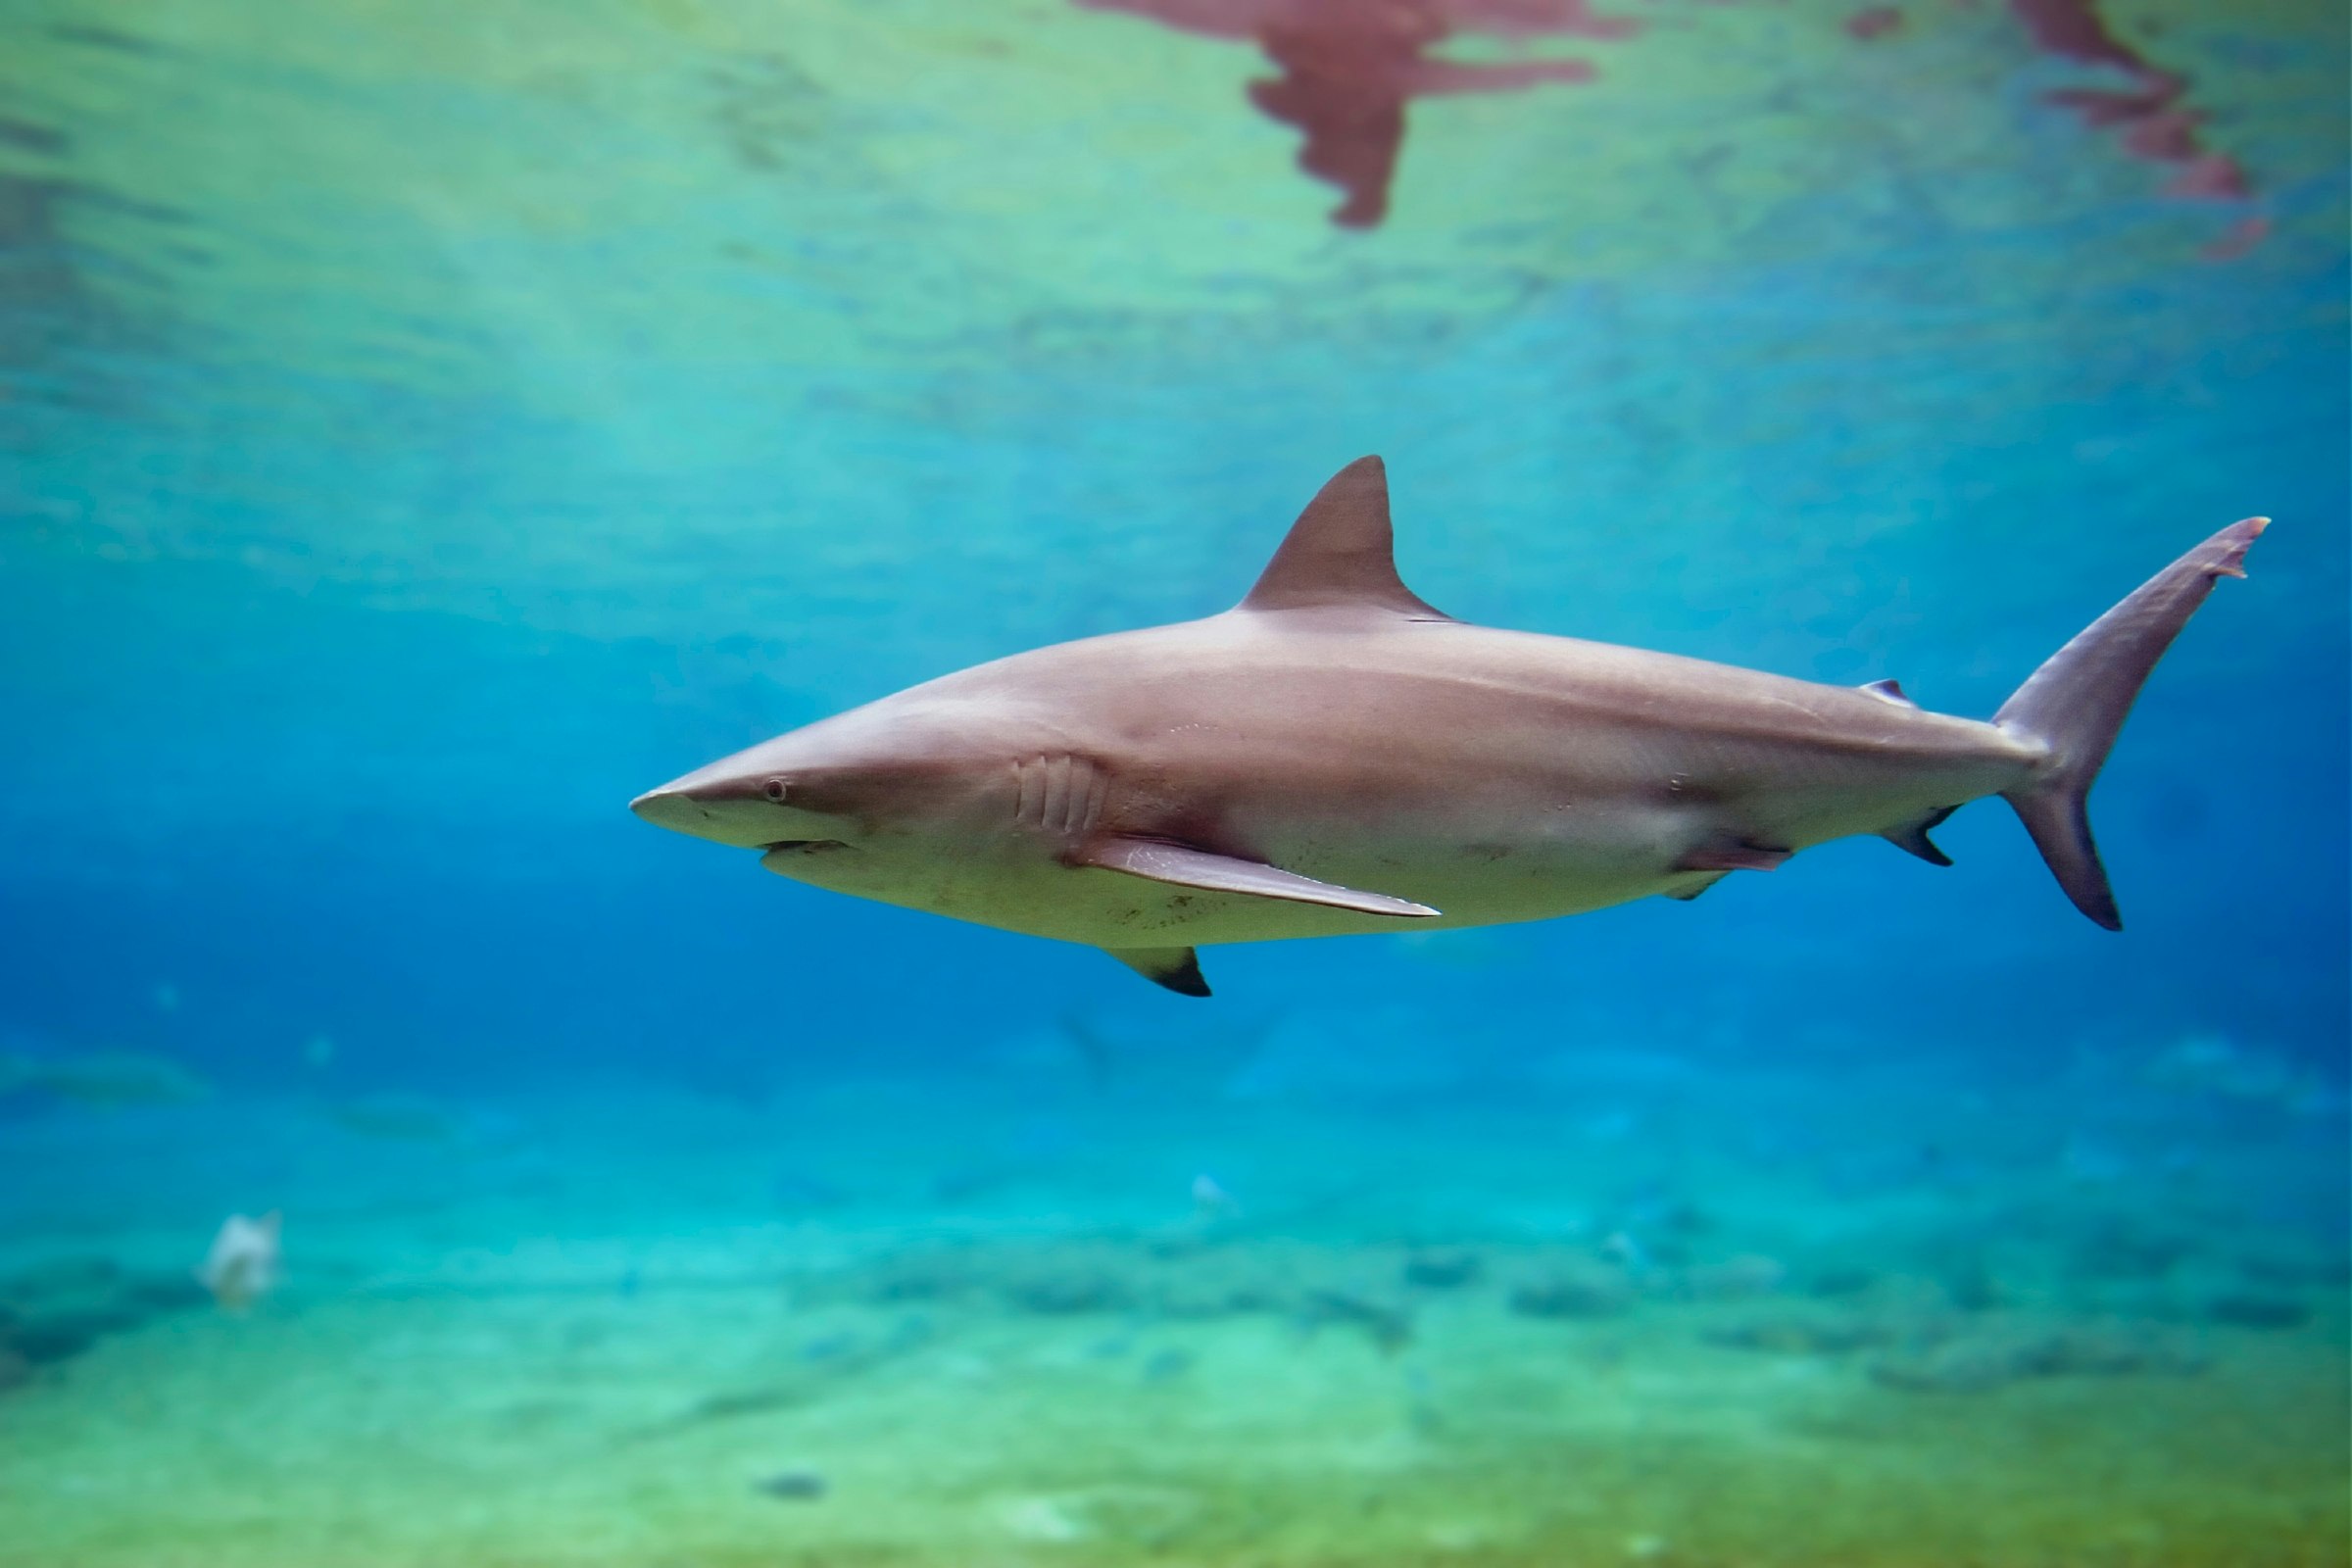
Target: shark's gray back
{"points": [[1441, 706]]}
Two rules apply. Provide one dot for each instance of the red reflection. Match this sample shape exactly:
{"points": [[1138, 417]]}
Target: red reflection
{"points": [[1875, 22], [1348, 67], [2155, 124]]}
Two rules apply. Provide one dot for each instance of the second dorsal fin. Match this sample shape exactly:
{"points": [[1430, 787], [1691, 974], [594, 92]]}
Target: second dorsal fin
{"points": [[1888, 690], [1341, 552]]}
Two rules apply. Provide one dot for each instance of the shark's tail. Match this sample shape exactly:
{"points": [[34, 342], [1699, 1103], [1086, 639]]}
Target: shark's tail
{"points": [[2076, 700]]}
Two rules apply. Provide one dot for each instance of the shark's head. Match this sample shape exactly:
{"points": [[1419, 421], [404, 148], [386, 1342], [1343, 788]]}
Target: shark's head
{"points": [[759, 797], [892, 767]]}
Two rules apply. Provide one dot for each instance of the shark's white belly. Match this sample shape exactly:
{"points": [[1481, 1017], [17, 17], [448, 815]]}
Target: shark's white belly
{"points": [[1113, 909], [1474, 868]]}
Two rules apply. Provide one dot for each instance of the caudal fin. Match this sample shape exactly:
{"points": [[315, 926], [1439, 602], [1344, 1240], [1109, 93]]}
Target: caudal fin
{"points": [[2076, 702]]}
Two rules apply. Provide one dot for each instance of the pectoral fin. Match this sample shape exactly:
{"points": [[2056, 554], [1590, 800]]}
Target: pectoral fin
{"points": [[1732, 854], [1177, 969], [1187, 867]]}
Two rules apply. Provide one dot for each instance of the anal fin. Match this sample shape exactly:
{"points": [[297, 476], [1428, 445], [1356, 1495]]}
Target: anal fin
{"points": [[1732, 854], [1176, 968], [1188, 867], [1913, 836], [1686, 895]]}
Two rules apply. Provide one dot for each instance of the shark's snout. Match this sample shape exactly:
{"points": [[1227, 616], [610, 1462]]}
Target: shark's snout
{"points": [[720, 809], [748, 810], [673, 808]]}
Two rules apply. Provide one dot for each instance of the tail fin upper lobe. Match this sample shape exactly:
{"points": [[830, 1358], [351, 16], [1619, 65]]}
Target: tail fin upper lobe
{"points": [[2076, 700]]}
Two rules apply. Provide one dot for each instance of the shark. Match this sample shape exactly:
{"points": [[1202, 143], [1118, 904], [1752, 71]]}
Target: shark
{"points": [[1334, 756]]}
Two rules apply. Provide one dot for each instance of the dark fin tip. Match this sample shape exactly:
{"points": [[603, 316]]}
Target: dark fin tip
{"points": [[2074, 705], [1888, 690], [1913, 836], [1186, 979], [1686, 895], [2060, 828], [1176, 969]]}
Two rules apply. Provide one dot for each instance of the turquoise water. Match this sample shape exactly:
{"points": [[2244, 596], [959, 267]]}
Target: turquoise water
{"points": [[422, 428]]}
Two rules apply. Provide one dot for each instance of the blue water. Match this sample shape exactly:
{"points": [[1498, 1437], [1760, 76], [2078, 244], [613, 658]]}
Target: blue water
{"points": [[335, 804], [411, 450]]}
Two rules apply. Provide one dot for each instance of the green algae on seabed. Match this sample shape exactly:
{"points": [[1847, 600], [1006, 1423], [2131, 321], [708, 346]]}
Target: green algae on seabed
{"points": [[503, 1425]]}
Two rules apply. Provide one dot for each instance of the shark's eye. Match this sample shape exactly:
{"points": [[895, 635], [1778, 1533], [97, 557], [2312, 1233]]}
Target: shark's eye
{"points": [[774, 788]]}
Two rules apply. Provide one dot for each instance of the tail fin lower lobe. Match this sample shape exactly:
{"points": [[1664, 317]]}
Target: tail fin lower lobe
{"points": [[2076, 703]]}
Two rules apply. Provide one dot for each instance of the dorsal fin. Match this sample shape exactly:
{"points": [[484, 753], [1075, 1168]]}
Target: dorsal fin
{"points": [[1888, 690], [1341, 552]]}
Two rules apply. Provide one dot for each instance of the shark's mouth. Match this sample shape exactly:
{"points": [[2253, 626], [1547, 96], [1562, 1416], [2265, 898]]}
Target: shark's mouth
{"points": [[781, 845]]}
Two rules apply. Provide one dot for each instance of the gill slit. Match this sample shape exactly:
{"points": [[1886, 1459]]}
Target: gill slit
{"points": [[1062, 794], [1025, 805]]}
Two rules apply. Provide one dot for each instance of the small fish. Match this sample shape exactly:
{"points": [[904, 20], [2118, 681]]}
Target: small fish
{"points": [[245, 1262]]}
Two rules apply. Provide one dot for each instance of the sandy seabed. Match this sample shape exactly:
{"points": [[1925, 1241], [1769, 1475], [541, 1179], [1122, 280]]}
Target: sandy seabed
{"points": [[634, 1331]]}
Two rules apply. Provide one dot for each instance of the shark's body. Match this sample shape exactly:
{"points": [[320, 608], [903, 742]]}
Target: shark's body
{"points": [[1335, 757]]}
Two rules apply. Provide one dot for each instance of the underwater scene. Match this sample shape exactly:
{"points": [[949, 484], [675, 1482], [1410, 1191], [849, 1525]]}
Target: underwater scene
{"points": [[1432, 1057]]}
